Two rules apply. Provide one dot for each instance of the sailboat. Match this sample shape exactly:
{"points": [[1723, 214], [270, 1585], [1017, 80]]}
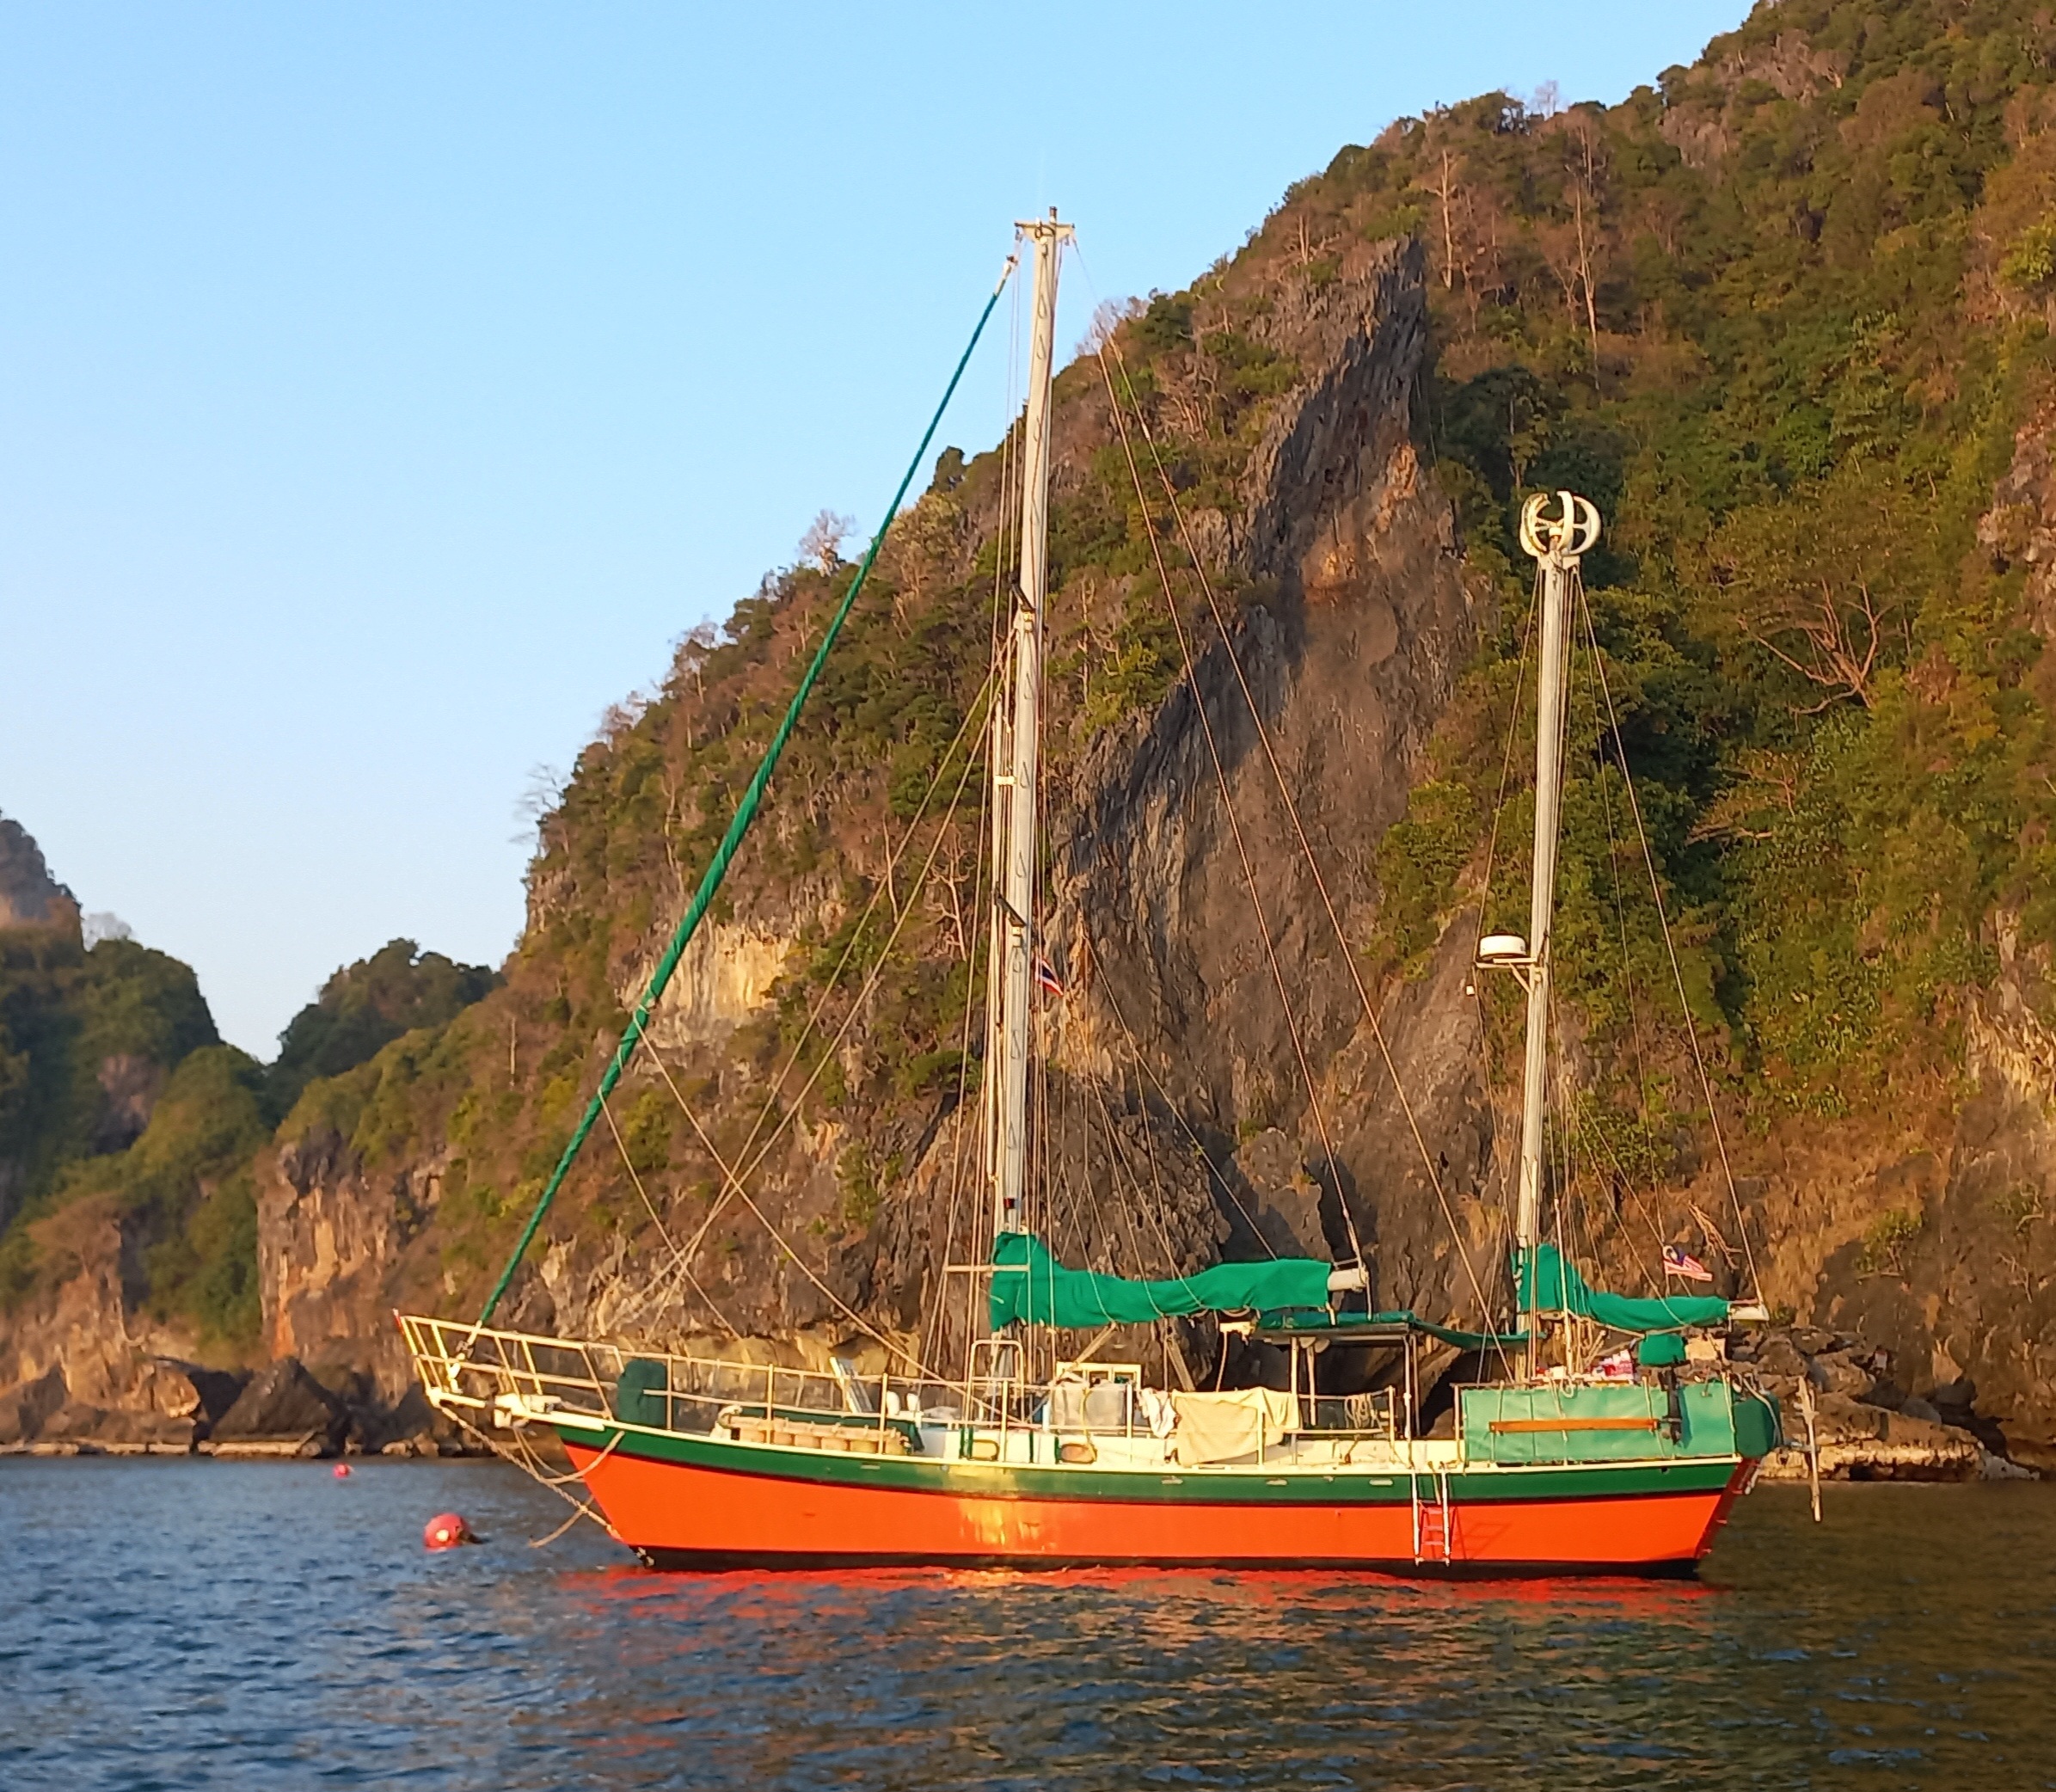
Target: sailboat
{"points": [[1030, 1457]]}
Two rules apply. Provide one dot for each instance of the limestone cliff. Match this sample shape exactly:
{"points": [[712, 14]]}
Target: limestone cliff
{"points": [[29, 896], [1784, 314], [1353, 618]]}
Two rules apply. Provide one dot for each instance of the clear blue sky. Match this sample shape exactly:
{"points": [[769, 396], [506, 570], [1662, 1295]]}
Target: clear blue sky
{"points": [[384, 388]]}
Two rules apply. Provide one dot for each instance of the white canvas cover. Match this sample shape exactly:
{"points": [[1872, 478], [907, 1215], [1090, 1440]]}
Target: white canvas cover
{"points": [[1220, 1428]]}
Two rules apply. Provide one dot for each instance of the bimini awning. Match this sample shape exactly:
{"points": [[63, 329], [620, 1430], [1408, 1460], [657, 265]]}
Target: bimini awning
{"points": [[1548, 1284], [1029, 1283]]}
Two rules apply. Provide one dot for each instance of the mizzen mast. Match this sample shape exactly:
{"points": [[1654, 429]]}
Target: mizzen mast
{"points": [[1556, 544], [1016, 737]]}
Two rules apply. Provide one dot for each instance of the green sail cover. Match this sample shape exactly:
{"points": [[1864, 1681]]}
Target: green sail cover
{"points": [[1550, 1284], [1341, 1326], [1029, 1283]]}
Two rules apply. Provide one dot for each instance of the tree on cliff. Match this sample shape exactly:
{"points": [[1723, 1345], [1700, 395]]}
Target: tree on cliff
{"points": [[1780, 313], [116, 1093], [365, 1005]]}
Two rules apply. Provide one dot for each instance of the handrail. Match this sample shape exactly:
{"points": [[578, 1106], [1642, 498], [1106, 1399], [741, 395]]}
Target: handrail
{"points": [[525, 1375]]}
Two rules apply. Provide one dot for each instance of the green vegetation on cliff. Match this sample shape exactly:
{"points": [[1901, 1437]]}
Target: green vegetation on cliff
{"points": [[87, 1037], [115, 1089], [366, 1006], [1780, 315], [185, 1197]]}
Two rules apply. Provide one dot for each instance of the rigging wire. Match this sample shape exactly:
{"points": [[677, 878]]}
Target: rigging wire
{"points": [[1692, 1030], [1241, 849], [1597, 1137], [663, 1231], [1149, 1147], [524, 1460], [1263, 737], [1506, 768], [1170, 1108], [1642, 1071], [1627, 1181], [960, 1133], [734, 1178], [1154, 1215], [739, 825], [1556, 1167], [985, 905], [807, 1032], [1508, 1164], [681, 1259], [1292, 810], [738, 1179], [777, 1238]]}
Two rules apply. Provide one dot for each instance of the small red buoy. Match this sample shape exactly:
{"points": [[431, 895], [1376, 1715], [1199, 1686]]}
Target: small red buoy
{"points": [[447, 1531], [342, 1471]]}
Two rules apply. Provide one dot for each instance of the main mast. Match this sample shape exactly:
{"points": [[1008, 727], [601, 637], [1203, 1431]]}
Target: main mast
{"points": [[1556, 543], [1016, 740]]}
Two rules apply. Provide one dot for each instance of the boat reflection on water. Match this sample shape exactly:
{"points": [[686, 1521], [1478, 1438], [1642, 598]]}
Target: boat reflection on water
{"points": [[1914, 1632], [1161, 1606], [1821, 1665], [1876, 1651]]}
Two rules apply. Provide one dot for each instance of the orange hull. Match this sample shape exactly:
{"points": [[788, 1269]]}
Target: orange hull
{"points": [[679, 1513]]}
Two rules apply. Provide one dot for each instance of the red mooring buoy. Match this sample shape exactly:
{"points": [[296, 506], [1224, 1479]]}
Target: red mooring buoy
{"points": [[447, 1531], [341, 1471]]}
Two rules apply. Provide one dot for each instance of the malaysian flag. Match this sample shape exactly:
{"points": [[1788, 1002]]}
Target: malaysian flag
{"points": [[1047, 979], [1620, 1366], [1678, 1261]]}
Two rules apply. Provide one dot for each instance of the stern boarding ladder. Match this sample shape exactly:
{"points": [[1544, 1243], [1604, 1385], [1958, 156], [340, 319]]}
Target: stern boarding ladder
{"points": [[1431, 1518]]}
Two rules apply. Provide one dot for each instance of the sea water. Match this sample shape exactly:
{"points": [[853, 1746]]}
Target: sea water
{"points": [[194, 1624]]}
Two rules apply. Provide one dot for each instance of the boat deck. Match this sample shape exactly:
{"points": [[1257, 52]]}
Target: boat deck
{"points": [[709, 1465], [1093, 1419]]}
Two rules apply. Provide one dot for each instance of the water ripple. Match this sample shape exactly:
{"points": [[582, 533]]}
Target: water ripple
{"points": [[233, 1626]]}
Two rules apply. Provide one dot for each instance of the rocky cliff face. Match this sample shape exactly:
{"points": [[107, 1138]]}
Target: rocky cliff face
{"points": [[1175, 1028], [1350, 422], [327, 1234], [1190, 922], [1364, 617], [80, 1348], [29, 896]]}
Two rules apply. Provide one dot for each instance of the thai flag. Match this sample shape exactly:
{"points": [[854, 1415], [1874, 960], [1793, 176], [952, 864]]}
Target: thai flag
{"points": [[1679, 1262], [1047, 979]]}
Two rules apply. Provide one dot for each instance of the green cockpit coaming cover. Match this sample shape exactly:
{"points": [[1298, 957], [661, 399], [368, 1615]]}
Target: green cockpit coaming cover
{"points": [[1029, 1283], [1549, 1284], [639, 1393]]}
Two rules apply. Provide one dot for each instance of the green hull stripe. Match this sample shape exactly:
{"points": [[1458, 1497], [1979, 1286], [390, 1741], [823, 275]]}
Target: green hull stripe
{"points": [[996, 1481]]}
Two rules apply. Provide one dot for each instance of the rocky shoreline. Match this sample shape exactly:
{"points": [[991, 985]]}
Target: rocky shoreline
{"points": [[175, 1408], [1866, 1427]]}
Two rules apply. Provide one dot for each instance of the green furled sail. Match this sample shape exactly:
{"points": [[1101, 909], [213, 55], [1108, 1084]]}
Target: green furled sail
{"points": [[1370, 1327], [1029, 1283], [1550, 1284]]}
